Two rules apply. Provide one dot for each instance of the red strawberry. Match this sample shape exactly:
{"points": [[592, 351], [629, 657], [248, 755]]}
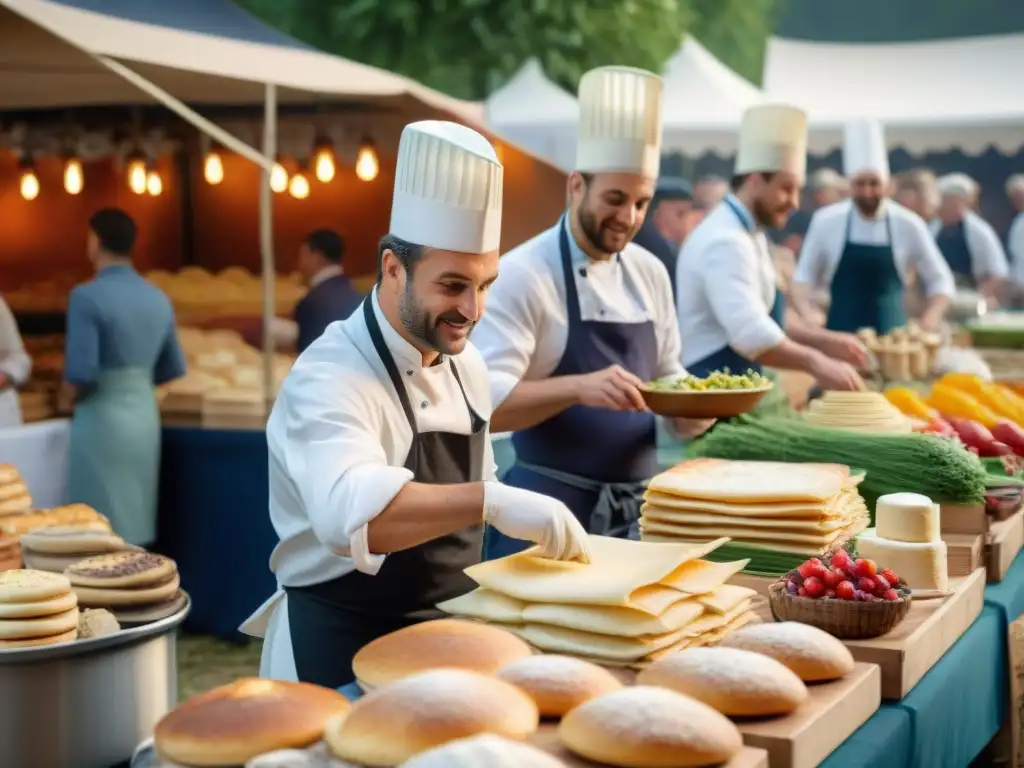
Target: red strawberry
{"points": [[841, 559], [881, 583], [845, 590], [863, 568], [891, 577], [832, 579], [802, 592], [890, 594], [842, 573], [806, 570], [866, 584], [813, 587]]}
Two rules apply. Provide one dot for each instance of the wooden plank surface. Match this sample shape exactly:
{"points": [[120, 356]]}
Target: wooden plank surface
{"points": [[964, 553], [963, 518], [1005, 539]]}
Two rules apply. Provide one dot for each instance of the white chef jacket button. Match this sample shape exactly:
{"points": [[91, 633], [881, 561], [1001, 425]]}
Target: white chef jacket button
{"points": [[601, 312], [409, 372], [423, 404], [583, 271]]}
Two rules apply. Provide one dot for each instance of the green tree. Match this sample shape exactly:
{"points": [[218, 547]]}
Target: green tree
{"points": [[468, 47], [736, 31]]}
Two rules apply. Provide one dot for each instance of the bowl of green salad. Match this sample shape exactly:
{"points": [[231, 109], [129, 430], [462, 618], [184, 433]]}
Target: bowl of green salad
{"points": [[719, 395]]}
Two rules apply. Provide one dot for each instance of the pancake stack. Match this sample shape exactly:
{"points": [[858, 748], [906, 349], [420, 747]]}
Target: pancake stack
{"points": [[55, 547], [772, 512], [36, 608], [14, 496], [859, 412], [72, 514], [136, 587], [10, 552], [632, 604]]}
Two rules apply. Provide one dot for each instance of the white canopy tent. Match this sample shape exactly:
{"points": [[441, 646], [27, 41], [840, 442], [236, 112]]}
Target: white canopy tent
{"points": [[931, 96]]}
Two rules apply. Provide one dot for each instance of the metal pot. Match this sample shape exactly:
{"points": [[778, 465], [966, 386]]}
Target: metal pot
{"points": [[89, 703]]}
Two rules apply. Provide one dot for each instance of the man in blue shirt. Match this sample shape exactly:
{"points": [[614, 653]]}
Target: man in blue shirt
{"points": [[671, 216]]}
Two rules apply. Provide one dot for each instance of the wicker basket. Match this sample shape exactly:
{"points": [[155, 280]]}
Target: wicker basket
{"points": [[844, 619]]}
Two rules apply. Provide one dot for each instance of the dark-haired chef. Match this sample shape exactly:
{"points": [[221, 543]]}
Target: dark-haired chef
{"points": [[731, 313], [864, 250], [581, 317], [671, 216], [381, 469]]}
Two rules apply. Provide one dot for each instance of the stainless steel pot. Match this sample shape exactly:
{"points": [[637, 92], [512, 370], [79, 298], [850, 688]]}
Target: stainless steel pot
{"points": [[87, 704]]}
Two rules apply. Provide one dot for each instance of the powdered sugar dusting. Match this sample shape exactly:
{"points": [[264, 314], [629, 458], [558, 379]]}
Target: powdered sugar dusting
{"points": [[551, 672], [793, 642], [484, 750], [727, 671]]}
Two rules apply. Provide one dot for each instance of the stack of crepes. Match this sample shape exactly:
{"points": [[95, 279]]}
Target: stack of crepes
{"points": [[775, 514], [632, 604], [858, 411]]}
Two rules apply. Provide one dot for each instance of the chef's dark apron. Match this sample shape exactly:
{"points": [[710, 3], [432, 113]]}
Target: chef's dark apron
{"points": [[596, 461], [330, 621], [866, 290], [952, 241], [727, 357]]}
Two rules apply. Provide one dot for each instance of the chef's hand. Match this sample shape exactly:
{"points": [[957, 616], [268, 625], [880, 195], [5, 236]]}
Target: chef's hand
{"points": [[688, 429], [534, 517], [613, 388], [849, 349], [837, 375]]}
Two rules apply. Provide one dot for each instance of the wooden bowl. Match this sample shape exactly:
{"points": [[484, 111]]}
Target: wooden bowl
{"points": [[844, 619], [712, 404]]}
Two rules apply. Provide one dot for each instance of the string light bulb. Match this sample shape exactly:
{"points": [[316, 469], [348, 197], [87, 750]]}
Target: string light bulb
{"points": [[323, 160], [74, 176], [137, 173], [213, 168], [29, 185], [279, 178], [298, 187], [154, 184], [367, 164]]}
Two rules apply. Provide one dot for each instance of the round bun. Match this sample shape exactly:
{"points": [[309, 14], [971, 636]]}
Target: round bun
{"points": [[736, 683], [230, 724], [645, 727], [813, 654], [447, 643], [396, 722], [558, 683], [484, 750]]}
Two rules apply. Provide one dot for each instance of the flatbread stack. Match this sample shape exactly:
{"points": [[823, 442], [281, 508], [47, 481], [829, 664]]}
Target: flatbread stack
{"points": [[137, 587], [14, 496], [36, 608], [798, 509], [56, 547], [72, 514], [858, 412], [10, 552], [632, 604]]}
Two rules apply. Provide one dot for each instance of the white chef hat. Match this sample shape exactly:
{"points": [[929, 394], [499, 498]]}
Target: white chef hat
{"points": [[448, 185], [773, 138], [864, 149], [620, 122], [957, 185]]}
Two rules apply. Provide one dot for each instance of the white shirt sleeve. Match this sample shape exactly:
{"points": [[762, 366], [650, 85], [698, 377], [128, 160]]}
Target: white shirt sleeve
{"points": [[14, 360], [335, 456], [1015, 244], [507, 333], [732, 285], [927, 259], [813, 265], [989, 260]]}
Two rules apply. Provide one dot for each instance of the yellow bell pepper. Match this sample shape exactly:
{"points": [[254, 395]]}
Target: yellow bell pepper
{"points": [[950, 401], [910, 403], [995, 398]]}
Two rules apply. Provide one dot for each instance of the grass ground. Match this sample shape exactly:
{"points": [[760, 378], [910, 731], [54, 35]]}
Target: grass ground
{"points": [[206, 662]]}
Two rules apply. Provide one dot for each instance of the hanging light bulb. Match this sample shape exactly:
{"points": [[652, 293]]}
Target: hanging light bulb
{"points": [[154, 184], [137, 173], [323, 160], [298, 187], [367, 165], [279, 178], [29, 186], [213, 168], [74, 177]]}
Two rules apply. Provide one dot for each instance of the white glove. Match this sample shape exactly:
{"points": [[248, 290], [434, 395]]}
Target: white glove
{"points": [[530, 516]]}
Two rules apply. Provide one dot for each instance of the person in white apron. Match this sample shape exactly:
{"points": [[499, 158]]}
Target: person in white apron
{"points": [[865, 250], [15, 367], [730, 310], [381, 468]]}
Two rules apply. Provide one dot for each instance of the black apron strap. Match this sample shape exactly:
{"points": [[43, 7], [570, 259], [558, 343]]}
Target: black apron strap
{"points": [[572, 297], [389, 363]]}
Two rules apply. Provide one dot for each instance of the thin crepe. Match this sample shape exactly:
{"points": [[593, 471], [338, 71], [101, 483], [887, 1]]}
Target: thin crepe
{"points": [[798, 550], [752, 482], [754, 535], [699, 519], [800, 510]]}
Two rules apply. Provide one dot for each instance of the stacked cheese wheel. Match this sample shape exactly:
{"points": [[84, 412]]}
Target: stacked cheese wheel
{"points": [[36, 608], [858, 411], [137, 587]]}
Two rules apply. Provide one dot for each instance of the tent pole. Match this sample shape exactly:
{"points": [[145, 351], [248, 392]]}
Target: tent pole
{"points": [[267, 267]]}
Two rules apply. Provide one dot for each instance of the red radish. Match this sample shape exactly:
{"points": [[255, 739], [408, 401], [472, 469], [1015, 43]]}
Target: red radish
{"points": [[1011, 434]]}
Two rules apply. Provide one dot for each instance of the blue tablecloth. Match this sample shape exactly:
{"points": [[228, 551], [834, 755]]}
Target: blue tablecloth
{"points": [[214, 523]]}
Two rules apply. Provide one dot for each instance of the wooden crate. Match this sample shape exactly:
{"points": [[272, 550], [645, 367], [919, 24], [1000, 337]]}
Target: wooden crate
{"points": [[1005, 539]]}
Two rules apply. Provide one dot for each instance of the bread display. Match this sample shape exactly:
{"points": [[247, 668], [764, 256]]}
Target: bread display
{"points": [[232, 291], [433, 644], [633, 603], [72, 514], [398, 721], [904, 354], [10, 552], [232, 723], [858, 411], [137, 587], [799, 509], [56, 547], [644, 726], [15, 498], [734, 682], [558, 684], [812, 654], [485, 750], [36, 608]]}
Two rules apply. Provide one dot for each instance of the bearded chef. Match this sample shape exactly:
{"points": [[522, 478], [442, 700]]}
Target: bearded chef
{"points": [[968, 243], [581, 318], [731, 313], [864, 250], [381, 471]]}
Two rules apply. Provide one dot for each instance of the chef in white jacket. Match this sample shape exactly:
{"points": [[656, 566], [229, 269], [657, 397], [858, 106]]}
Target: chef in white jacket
{"points": [[381, 470], [968, 243], [581, 317], [730, 310], [1015, 237], [15, 367], [865, 250]]}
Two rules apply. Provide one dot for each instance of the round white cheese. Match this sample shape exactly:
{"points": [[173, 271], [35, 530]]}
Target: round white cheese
{"points": [[922, 565], [908, 517]]}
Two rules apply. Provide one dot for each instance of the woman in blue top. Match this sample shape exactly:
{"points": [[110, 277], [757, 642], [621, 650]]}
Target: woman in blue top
{"points": [[121, 340]]}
